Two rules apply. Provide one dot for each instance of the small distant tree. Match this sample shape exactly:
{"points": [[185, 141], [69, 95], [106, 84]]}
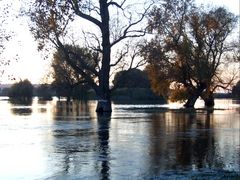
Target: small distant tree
{"points": [[188, 50], [133, 78], [22, 90]]}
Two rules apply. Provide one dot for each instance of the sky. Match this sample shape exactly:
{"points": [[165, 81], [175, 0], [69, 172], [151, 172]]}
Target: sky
{"points": [[28, 63]]}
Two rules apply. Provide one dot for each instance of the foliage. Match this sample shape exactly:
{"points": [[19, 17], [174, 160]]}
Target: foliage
{"points": [[66, 79], [44, 92], [111, 22], [133, 78], [21, 90], [136, 94], [188, 49]]}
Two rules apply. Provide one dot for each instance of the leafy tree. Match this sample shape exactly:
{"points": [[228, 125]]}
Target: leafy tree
{"points": [[66, 79], [22, 90], [133, 78], [187, 52], [44, 92], [112, 22]]}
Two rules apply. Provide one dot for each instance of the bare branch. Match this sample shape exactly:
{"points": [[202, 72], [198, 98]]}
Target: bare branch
{"points": [[74, 66], [127, 33], [83, 15], [120, 58], [120, 6]]}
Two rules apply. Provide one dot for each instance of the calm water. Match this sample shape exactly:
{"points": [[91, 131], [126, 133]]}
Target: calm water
{"points": [[53, 140]]}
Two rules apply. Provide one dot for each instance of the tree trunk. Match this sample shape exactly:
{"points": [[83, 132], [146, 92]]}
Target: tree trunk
{"points": [[195, 93], [104, 106], [191, 101], [104, 100], [209, 101], [103, 92]]}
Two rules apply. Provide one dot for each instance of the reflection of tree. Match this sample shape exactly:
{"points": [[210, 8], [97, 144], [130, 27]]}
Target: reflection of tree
{"points": [[198, 147], [21, 107], [79, 143], [22, 111], [21, 102], [158, 149], [103, 140], [74, 109], [184, 140]]}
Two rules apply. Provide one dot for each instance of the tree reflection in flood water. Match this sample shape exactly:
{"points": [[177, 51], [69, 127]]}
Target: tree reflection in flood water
{"points": [[135, 141]]}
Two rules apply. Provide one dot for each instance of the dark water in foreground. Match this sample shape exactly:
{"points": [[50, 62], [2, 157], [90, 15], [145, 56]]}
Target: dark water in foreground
{"points": [[52, 140]]}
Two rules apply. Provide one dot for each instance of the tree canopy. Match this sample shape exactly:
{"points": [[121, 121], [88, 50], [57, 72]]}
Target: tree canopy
{"points": [[23, 90], [65, 78], [133, 78], [188, 49]]}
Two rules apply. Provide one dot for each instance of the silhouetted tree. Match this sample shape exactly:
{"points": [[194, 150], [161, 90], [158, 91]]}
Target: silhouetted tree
{"points": [[133, 78], [187, 52], [44, 92], [22, 90], [65, 78], [112, 22]]}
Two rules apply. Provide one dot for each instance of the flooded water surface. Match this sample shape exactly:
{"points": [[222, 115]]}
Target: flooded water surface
{"points": [[59, 140]]}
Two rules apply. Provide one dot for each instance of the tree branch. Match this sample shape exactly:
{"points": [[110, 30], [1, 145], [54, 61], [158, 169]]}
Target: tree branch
{"points": [[75, 67], [127, 29], [113, 3], [83, 15]]}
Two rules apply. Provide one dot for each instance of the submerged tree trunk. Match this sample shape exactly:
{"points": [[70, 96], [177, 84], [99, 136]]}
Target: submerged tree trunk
{"points": [[104, 101], [103, 92], [104, 105], [194, 95], [191, 101], [209, 101]]}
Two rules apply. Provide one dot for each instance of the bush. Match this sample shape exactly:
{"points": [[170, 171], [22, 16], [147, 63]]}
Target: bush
{"points": [[133, 78], [22, 90], [135, 94]]}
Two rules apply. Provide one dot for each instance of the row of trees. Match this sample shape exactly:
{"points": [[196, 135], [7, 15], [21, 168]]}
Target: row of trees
{"points": [[185, 47], [184, 56], [64, 86], [132, 84]]}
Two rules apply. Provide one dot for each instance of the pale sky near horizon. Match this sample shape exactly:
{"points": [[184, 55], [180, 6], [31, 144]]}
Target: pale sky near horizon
{"points": [[30, 63]]}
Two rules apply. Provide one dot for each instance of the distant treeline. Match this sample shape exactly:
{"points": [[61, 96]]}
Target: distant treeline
{"points": [[128, 86]]}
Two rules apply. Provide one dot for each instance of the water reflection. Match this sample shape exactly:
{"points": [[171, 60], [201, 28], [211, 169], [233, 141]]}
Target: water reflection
{"points": [[72, 109], [23, 102], [22, 111], [186, 141], [139, 142], [21, 106], [103, 145]]}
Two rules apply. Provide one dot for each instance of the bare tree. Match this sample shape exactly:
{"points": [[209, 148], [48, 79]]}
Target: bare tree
{"points": [[112, 22]]}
